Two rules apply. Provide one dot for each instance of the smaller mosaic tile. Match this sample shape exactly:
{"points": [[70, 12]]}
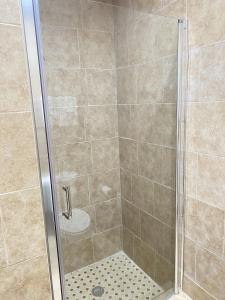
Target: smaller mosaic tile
{"points": [[115, 277]]}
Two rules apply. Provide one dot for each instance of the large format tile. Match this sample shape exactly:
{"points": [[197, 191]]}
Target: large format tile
{"points": [[101, 86], [104, 185], [26, 280], [77, 254], [9, 12], [13, 81], [143, 193], [107, 243], [97, 16], [205, 128], [108, 214], [126, 85], [17, 152], [68, 84], [60, 47], [23, 225], [207, 22], [211, 178], [195, 291], [205, 225], [97, 49], [101, 122], [61, 13], [105, 154], [210, 273], [131, 217]]}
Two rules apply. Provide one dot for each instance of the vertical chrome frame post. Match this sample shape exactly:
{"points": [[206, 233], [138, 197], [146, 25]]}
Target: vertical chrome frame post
{"points": [[31, 25], [182, 59]]}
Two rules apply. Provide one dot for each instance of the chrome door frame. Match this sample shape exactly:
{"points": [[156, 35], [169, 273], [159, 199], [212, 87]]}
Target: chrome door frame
{"points": [[31, 27], [182, 70]]}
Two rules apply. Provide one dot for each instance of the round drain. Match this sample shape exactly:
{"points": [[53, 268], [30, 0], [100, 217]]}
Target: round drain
{"points": [[97, 291]]}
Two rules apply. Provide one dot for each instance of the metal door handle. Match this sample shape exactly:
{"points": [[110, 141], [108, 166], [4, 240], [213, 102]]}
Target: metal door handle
{"points": [[68, 213]]}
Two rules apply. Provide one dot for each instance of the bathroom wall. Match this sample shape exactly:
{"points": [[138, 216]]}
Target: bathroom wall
{"points": [[146, 83], [204, 260], [78, 41], [23, 261]]}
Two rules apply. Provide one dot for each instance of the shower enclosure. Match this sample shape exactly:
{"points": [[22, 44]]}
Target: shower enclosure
{"points": [[107, 84]]}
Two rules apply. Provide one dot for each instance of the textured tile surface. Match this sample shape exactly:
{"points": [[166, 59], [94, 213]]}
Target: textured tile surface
{"points": [[118, 275]]}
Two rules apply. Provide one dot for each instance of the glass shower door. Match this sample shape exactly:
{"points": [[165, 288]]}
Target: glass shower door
{"points": [[111, 94]]}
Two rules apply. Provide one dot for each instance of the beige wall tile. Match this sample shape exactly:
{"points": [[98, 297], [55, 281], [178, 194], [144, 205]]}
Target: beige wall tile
{"points": [[108, 214], [101, 122], [210, 273], [141, 33], [205, 128], [101, 87], [212, 73], [164, 274], [3, 251], [107, 243], [145, 257], [165, 205], [128, 242], [189, 258], [126, 184], [73, 159], [128, 155], [104, 185], [152, 232], [68, 85], [143, 193], [17, 152], [205, 225], [121, 48], [150, 157], [173, 8], [195, 291], [26, 280], [131, 218], [13, 81], [168, 167], [59, 13], [67, 125], [126, 85], [194, 74], [150, 82], [170, 79], [23, 226], [10, 11], [97, 49], [146, 5], [77, 255], [166, 41], [97, 16], [60, 41], [210, 184], [191, 173], [105, 154], [127, 121], [207, 24]]}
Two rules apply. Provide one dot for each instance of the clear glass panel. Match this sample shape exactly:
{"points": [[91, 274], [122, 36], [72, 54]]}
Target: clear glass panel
{"points": [[111, 77]]}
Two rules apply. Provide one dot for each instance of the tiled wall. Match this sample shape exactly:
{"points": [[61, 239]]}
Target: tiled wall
{"points": [[146, 82], [81, 74], [23, 261], [204, 261]]}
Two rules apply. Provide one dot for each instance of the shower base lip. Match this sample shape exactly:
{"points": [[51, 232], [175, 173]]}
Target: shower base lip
{"points": [[117, 274]]}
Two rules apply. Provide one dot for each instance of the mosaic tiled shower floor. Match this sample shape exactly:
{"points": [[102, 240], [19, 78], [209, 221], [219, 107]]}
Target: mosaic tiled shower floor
{"points": [[118, 275]]}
